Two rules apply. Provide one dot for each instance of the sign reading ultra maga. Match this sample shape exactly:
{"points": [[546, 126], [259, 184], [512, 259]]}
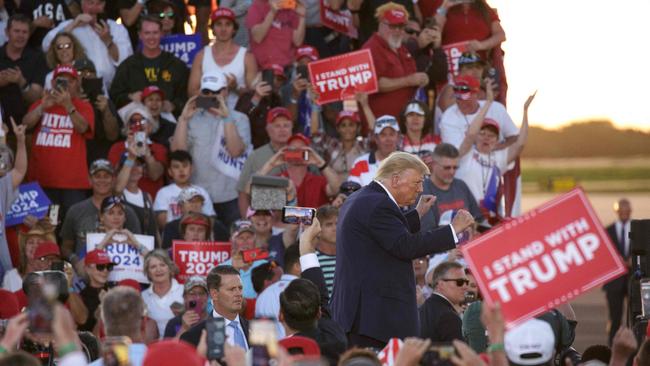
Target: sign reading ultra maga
{"points": [[129, 263], [337, 77], [453, 52], [198, 258], [31, 201], [544, 258]]}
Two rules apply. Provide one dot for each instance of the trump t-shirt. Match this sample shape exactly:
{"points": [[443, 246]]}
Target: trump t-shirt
{"points": [[58, 158]]}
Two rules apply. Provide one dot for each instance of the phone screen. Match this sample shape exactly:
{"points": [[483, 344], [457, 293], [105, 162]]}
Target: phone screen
{"points": [[303, 71], [216, 332], [298, 215], [207, 102], [263, 341], [115, 351], [268, 77]]}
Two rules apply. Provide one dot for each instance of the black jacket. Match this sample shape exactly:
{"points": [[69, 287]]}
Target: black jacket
{"points": [[439, 321], [130, 77]]}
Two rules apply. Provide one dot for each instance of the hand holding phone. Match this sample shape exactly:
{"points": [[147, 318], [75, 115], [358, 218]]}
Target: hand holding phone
{"points": [[298, 215], [216, 337], [207, 101], [253, 255]]}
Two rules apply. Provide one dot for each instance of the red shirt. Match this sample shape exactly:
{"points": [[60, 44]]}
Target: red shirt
{"points": [[390, 64], [58, 156], [312, 192], [277, 47], [460, 27], [159, 153]]}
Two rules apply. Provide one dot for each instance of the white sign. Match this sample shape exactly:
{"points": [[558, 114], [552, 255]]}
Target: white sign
{"points": [[128, 261]]}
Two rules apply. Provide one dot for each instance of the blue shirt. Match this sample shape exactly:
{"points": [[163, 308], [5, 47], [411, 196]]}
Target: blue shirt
{"points": [[246, 277]]}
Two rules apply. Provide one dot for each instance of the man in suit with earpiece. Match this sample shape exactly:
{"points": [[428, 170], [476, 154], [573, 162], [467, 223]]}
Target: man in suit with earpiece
{"points": [[616, 290]]}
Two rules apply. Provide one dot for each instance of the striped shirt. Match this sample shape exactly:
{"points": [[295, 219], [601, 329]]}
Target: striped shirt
{"points": [[328, 265]]}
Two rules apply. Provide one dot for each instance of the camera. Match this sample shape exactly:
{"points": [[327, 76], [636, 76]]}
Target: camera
{"points": [[295, 155]]}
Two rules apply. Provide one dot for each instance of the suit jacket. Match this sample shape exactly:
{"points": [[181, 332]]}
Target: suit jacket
{"points": [[439, 321], [193, 335], [374, 290], [328, 334], [619, 284]]}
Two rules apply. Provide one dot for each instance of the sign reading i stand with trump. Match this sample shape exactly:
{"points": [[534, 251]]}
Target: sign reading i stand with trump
{"points": [[336, 78], [544, 258]]}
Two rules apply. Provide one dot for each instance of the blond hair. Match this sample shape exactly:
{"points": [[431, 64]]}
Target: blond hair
{"points": [[379, 13], [399, 162]]}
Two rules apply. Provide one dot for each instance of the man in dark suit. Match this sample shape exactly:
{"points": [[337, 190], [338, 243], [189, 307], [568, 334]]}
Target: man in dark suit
{"points": [[226, 290], [439, 319], [616, 290], [374, 294]]}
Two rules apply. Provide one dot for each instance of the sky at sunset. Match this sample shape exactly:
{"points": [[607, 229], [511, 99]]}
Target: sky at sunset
{"points": [[589, 60]]}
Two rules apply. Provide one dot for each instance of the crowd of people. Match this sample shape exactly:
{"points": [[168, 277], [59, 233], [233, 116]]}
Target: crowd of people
{"points": [[139, 146]]}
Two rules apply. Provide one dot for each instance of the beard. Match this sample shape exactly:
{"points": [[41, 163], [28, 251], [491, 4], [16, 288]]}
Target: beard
{"points": [[394, 42]]}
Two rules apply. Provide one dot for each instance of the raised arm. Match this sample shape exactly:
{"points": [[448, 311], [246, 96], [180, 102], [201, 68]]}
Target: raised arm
{"points": [[515, 149], [20, 164]]}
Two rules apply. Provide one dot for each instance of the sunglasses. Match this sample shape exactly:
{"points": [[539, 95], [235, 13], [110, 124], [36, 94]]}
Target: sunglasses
{"points": [[460, 282], [169, 15], [104, 267], [411, 32], [462, 89], [63, 46]]}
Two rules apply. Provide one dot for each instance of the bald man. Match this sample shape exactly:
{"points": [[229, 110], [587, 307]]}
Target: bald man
{"points": [[616, 290]]}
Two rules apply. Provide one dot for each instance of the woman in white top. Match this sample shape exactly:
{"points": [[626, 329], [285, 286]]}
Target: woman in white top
{"points": [[224, 55], [164, 289], [481, 165]]}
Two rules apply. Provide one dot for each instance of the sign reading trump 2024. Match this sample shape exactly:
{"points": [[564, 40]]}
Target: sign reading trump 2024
{"points": [[339, 77], [128, 261], [198, 258], [183, 46], [31, 201], [544, 258]]}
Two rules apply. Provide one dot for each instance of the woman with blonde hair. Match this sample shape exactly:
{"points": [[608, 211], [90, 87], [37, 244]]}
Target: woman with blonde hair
{"points": [[164, 289], [65, 49]]}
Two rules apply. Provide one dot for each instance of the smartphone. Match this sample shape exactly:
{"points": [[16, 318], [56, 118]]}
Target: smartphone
{"points": [[40, 312], [298, 215], [62, 84], [58, 266], [115, 351], [295, 155], [207, 102], [303, 71], [216, 332], [645, 296], [191, 304], [254, 255], [269, 77], [263, 341], [4, 161], [92, 87], [53, 214], [439, 354], [287, 4]]}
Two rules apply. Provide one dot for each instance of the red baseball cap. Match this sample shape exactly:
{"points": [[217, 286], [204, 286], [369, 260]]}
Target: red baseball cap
{"points": [[278, 112], [171, 352], [353, 116], [307, 51], [129, 282], [395, 16], [65, 69], [188, 220], [223, 13], [97, 256], [278, 70], [489, 122], [301, 137], [152, 89], [46, 248]]}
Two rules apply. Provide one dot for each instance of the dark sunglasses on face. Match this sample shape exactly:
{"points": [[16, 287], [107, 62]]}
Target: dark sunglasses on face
{"points": [[462, 89], [411, 32], [63, 46], [460, 282], [104, 267], [169, 15], [450, 167]]}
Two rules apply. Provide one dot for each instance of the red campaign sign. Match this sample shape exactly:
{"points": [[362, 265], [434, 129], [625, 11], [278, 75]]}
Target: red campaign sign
{"points": [[198, 258], [544, 258], [453, 52], [341, 76], [338, 20]]}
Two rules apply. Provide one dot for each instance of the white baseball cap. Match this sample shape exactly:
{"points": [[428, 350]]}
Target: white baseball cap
{"points": [[384, 122], [414, 108], [530, 343], [213, 81]]}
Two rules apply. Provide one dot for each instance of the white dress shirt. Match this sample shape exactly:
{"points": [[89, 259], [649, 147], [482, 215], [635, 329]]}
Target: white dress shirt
{"points": [[268, 302]]}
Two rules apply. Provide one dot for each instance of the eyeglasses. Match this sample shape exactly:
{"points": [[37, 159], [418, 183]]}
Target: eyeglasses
{"points": [[104, 267], [460, 282], [395, 26], [63, 46], [450, 167], [169, 15], [411, 32]]}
